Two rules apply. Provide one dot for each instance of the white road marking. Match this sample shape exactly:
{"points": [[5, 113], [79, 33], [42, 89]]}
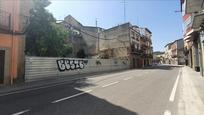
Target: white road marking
{"points": [[173, 92], [128, 78], [111, 84], [167, 112], [21, 112], [78, 94]]}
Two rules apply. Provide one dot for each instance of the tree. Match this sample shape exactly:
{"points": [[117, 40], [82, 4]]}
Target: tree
{"points": [[43, 36], [81, 54]]}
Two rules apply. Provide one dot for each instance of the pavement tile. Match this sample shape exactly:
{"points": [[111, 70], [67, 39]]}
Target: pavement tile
{"points": [[192, 85]]}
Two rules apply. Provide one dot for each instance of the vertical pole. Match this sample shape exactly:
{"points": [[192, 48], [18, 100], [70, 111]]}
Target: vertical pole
{"points": [[98, 50], [9, 22], [124, 11], [201, 53], [12, 43]]}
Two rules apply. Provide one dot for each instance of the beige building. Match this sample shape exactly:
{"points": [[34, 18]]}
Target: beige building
{"points": [[115, 42], [127, 42], [119, 42], [158, 57], [168, 54], [174, 53], [82, 37], [193, 17], [146, 46]]}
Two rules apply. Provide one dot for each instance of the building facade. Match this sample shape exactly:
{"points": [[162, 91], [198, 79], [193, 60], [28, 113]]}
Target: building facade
{"points": [[174, 53], [14, 17], [177, 49], [127, 41], [82, 37], [193, 16], [167, 54], [158, 57], [146, 46]]}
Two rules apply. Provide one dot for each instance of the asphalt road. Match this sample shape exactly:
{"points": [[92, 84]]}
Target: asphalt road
{"points": [[150, 91]]}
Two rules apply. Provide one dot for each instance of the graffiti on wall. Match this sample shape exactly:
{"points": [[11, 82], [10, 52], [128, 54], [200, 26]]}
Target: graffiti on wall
{"points": [[71, 64]]}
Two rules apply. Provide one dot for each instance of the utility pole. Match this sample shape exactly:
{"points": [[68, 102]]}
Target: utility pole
{"points": [[97, 37], [124, 2]]}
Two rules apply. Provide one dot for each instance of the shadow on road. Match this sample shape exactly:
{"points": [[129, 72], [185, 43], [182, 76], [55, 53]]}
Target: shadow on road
{"points": [[81, 83], [163, 67], [39, 102]]}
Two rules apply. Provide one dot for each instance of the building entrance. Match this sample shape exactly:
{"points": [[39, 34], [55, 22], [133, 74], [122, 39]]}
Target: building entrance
{"points": [[2, 62]]}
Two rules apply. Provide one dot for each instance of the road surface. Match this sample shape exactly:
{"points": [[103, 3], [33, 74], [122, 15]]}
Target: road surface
{"points": [[150, 91]]}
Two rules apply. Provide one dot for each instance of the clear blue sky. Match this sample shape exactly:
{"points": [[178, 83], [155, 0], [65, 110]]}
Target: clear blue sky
{"points": [[157, 15]]}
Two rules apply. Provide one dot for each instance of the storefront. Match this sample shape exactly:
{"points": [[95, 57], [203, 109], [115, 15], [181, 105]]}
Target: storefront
{"points": [[199, 25]]}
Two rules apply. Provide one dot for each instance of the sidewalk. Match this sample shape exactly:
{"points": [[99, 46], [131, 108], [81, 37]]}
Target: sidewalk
{"points": [[191, 100]]}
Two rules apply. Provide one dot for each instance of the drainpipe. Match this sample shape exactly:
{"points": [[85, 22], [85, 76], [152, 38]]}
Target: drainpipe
{"points": [[200, 52], [12, 43], [130, 48]]}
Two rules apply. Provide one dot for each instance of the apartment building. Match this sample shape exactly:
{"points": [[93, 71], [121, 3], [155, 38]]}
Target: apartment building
{"points": [[193, 16], [158, 57], [177, 49], [167, 54], [129, 42], [146, 46], [14, 18], [174, 53], [122, 41]]}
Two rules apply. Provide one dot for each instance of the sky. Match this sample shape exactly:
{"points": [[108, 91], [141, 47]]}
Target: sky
{"points": [[158, 16]]}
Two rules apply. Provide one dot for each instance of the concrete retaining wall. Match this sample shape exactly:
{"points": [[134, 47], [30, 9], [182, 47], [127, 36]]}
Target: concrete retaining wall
{"points": [[37, 68]]}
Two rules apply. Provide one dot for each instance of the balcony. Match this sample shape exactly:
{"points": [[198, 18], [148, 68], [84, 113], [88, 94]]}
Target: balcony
{"points": [[135, 50], [147, 56], [144, 47]]}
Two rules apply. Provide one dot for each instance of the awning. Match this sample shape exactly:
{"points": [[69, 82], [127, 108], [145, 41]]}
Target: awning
{"points": [[187, 37], [193, 6], [198, 20], [191, 31]]}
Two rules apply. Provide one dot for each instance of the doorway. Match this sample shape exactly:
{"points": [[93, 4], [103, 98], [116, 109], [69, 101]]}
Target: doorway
{"points": [[2, 61]]}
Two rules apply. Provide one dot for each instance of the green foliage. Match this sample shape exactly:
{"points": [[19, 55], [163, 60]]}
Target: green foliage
{"points": [[44, 37]]}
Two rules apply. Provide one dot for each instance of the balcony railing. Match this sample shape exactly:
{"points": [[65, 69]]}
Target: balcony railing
{"points": [[5, 21]]}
